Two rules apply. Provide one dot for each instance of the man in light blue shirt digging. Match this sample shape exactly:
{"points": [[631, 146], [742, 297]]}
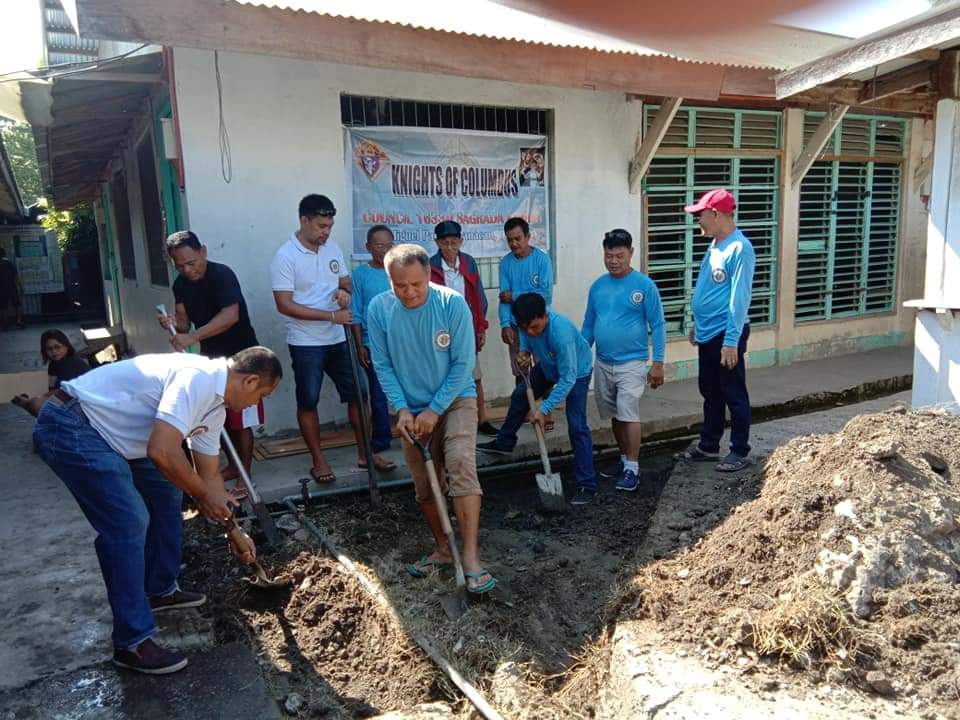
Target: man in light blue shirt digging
{"points": [[623, 314], [423, 349], [562, 373], [721, 301]]}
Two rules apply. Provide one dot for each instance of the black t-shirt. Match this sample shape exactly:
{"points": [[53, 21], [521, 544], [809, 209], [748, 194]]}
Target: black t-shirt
{"points": [[8, 277], [72, 366], [219, 288]]}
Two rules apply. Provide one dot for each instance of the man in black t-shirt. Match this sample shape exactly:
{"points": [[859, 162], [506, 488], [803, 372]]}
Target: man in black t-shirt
{"points": [[208, 296], [10, 290]]}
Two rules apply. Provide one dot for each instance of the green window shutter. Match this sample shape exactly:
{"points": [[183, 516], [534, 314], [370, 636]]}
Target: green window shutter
{"points": [[849, 221], [674, 247]]}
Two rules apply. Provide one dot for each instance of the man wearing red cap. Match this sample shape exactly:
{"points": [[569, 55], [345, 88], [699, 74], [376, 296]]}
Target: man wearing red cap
{"points": [[721, 301]]}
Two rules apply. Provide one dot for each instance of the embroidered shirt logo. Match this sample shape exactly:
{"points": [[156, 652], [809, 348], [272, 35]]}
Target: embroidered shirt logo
{"points": [[636, 297], [199, 430], [719, 275], [442, 340], [535, 280], [334, 266]]}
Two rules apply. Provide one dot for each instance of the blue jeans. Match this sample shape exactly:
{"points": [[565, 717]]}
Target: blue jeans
{"points": [[379, 411], [310, 362], [132, 506], [722, 388], [578, 431]]}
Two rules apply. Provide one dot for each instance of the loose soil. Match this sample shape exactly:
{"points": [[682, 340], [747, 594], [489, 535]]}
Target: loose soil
{"points": [[328, 641], [838, 562]]}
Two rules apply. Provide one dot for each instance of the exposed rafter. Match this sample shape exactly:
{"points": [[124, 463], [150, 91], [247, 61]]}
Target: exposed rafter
{"points": [[815, 145], [651, 141]]}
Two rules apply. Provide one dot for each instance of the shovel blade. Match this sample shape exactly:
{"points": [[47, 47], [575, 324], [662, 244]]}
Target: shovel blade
{"points": [[550, 487], [454, 605]]}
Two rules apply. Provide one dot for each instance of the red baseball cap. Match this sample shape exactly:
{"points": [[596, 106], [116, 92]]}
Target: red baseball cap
{"points": [[720, 200]]}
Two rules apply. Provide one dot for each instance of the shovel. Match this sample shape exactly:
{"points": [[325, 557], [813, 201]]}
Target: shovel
{"points": [[260, 579], [365, 422], [549, 484], [259, 509], [453, 605]]}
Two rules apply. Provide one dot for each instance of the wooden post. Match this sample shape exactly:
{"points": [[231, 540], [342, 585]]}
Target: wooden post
{"points": [[824, 130], [651, 141]]}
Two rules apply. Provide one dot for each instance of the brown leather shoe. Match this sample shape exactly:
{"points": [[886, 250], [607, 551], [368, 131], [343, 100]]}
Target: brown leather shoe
{"points": [[150, 659]]}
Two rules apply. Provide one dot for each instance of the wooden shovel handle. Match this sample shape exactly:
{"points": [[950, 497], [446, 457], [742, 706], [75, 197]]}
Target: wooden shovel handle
{"points": [[532, 402]]}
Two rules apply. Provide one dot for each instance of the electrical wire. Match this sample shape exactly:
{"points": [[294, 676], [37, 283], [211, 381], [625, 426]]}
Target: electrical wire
{"points": [[226, 158], [75, 67]]}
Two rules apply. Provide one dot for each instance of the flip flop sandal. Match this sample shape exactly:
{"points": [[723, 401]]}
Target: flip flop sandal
{"points": [[425, 566], [733, 463], [385, 466], [485, 587], [237, 493], [695, 454], [322, 478]]}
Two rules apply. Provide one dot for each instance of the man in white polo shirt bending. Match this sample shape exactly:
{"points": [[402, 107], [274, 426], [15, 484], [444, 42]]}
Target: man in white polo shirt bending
{"points": [[114, 437], [311, 287]]}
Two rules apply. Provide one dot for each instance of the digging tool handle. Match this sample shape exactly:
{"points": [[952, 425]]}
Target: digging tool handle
{"points": [[441, 503], [532, 402], [365, 424]]}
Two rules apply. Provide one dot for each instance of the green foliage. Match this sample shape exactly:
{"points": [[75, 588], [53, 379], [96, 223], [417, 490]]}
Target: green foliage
{"points": [[76, 229], [18, 141]]}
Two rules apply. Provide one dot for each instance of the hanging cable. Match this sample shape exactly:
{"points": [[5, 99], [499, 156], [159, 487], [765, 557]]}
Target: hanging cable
{"points": [[72, 68], [226, 159]]}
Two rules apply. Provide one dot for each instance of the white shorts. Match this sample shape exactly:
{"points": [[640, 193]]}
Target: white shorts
{"points": [[618, 389]]}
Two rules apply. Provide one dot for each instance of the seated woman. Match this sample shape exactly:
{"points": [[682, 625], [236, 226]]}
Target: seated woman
{"points": [[63, 364]]}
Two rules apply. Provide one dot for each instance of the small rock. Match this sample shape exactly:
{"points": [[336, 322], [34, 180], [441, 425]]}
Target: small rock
{"points": [[301, 535], [683, 573], [563, 562], [294, 703], [770, 685], [880, 683], [289, 523], [684, 538]]}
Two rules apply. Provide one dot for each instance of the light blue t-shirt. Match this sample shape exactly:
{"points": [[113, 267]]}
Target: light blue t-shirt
{"points": [[532, 274], [619, 312], [368, 282], [721, 298], [563, 354], [423, 357]]}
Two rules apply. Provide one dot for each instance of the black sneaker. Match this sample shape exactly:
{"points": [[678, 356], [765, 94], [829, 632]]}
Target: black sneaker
{"points": [[150, 659], [493, 448], [485, 428], [178, 600], [612, 471], [583, 496]]}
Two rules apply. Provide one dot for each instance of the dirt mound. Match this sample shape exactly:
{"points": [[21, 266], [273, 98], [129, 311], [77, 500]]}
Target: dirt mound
{"points": [[355, 650], [846, 564]]}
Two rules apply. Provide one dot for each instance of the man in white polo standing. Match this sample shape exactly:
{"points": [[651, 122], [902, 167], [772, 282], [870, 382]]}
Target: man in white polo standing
{"points": [[312, 289]]}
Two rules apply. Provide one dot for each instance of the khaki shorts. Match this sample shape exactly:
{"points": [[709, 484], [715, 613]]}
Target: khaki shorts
{"points": [[618, 389], [454, 448]]}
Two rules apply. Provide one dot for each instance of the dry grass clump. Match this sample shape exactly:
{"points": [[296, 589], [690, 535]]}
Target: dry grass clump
{"points": [[812, 624]]}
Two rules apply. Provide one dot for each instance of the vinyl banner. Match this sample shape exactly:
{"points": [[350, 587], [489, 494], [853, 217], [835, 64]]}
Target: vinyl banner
{"points": [[412, 178]]}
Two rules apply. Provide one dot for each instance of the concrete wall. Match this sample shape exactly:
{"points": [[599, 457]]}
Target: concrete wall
{"points": [[283, 118], [936, 365], [286, 139]]}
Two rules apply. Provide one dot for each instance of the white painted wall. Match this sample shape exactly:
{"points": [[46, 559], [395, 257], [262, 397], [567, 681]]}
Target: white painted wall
{"points": [[936, 364], [283, 118]]}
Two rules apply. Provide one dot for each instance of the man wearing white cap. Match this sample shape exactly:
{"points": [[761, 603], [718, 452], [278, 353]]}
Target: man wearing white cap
{"points": [[721, 301]]}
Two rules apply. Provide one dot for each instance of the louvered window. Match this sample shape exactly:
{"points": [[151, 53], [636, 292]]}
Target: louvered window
{"points": [[705, 149], [850, 220]]}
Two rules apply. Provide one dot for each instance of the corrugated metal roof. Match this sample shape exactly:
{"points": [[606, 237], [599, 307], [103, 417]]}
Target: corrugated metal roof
{"points": [[480, 18]]}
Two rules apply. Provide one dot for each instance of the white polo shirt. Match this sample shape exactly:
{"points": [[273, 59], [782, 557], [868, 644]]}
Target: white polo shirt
{"points": [[452, 277], [313, 277], [123, 400]]}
